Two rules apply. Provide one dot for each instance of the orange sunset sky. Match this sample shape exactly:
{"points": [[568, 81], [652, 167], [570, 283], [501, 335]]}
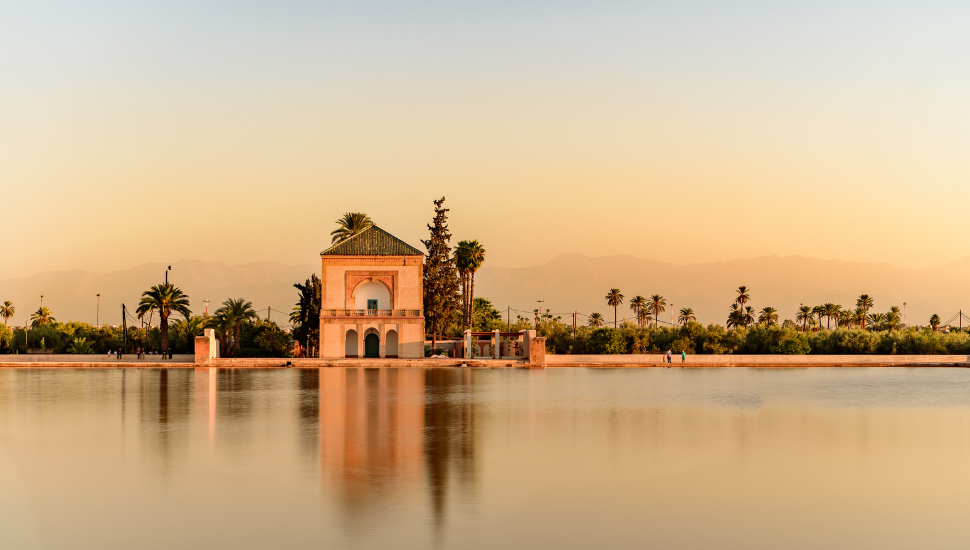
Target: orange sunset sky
{"points": [[678, 131]]}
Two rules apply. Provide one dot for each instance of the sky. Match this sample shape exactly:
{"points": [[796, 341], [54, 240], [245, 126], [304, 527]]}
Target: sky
{"points": [[687, 131]]}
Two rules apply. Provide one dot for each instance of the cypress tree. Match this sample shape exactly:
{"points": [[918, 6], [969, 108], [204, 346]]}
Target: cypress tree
{"points": [[440, 275]]}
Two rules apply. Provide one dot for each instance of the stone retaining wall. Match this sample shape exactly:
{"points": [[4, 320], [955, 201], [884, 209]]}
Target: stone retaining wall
{"points": [[647, 360], [95, 358]]}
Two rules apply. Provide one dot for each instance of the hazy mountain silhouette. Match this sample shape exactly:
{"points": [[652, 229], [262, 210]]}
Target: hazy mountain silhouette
{"points": [[71, 294], [568, 282]]}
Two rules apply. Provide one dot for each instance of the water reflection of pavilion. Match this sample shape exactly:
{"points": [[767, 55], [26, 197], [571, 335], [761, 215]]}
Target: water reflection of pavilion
{"points": [[388, 431]]}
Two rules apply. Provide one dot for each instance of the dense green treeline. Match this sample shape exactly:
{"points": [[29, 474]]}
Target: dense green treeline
{"points": [[695, 338]]}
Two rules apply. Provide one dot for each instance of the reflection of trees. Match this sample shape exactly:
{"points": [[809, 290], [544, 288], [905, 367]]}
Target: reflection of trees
{"points": [[388, 430], [309, 412], [164, 396], [449, 435]]}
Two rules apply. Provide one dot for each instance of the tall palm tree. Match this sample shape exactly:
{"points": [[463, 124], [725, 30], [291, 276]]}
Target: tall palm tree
{"points": [[744, 296], [7, 311], [595, 320], [865, 302], [471, 256], [41, 317], [462, 262], [639, 305], [349, 225], [831, 310], [735, 316], [768, 315], [231, 317], [657, 305], [686, 316], [165, 298], [803, 316], [935, 322], [614, 299], [859, 317]]}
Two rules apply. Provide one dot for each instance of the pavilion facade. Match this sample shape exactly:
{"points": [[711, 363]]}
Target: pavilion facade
{"points": [[372, 298]]}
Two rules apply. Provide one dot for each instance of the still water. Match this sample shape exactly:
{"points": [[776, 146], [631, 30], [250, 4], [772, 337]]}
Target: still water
{"points": [[469, 458]]}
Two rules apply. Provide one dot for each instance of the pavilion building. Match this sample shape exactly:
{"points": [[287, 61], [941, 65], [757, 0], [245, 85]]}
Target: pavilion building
{"points": [[372, 298]]}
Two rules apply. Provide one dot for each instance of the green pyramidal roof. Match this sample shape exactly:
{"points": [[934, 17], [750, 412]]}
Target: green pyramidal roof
{"points": [[372, 241]]}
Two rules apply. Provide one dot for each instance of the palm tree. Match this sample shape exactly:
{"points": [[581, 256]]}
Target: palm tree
{"points": [[768, 316], [614, 299], [894, 318], [657, 305], [803, 316], [190, 327], [865, 302], [860, 317], [7, 311], [595, 320], [831, 310], [876, 321], [686, 316], [165, 298], [470, 256], [230, 318], [735, 317], [748, 316], [744, 296], [639, 305], [462, 266], [935, 322], [819, 311], [349, 225], [41, 317]]}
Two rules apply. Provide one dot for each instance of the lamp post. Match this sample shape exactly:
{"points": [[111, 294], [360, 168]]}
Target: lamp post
{"points": [[98, 314], [166, 275], [206, 307], [904, 313], [539, 318]]}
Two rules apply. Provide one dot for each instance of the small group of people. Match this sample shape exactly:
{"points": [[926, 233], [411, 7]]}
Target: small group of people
{"points": [[140, 353], [669, 357]]}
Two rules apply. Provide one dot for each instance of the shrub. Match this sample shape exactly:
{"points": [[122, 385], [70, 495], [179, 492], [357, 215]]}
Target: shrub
{"points": [[606, 341]]}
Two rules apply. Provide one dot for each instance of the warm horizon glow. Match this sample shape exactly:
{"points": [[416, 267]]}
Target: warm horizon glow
{"points": [[687, 132]]}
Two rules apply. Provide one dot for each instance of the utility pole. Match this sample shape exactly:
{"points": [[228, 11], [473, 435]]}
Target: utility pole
{"points": [[98, 314], [166, 275], [206, 307], [671, 314], [539, 320], [574, 323], [267, 313], [510, 319], [124, 327], [904, 313]]}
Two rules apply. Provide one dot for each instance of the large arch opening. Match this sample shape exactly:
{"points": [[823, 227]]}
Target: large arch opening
{"points": [[372, 295], [390, 344], [350, 345]]}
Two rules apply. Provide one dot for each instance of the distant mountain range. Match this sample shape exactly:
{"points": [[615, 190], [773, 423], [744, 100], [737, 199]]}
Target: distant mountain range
{"points": [[567, 283]]}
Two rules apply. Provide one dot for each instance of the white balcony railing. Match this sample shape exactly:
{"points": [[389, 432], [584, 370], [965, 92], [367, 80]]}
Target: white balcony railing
{"points": [[370, 312]]}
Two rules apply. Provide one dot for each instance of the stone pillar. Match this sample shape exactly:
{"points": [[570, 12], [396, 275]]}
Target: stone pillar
{"points": [[360, 340], [201, 350], [206, 347], [382, 334], [497, 344], [468, 344], [527, 336], [537, 352]]}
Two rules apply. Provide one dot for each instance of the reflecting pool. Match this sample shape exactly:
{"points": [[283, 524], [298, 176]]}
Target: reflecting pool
{"points": [[477, 458]]}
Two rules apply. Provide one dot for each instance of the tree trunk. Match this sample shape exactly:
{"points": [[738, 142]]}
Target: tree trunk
{"points": [[471, 302], [163, 327]]}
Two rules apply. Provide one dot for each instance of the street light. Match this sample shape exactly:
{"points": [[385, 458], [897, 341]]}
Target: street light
{"points": [[98, 314], [539, 317], [206, 307], [166, 275]]}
